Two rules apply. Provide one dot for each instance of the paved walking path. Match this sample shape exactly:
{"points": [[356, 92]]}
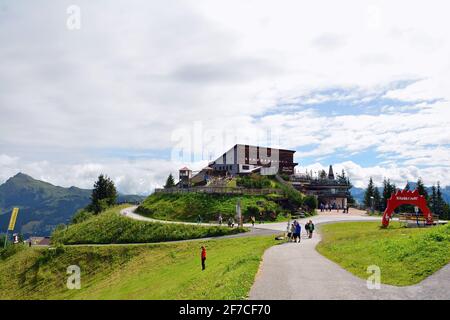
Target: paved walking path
{"points": [[297, 271]]}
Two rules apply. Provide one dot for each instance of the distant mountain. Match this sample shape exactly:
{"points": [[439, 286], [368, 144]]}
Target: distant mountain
{"points": [[358, 193], [42, 205]]}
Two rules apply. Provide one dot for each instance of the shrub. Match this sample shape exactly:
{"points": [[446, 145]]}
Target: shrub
{"points": [[81, 216], [252, 211], [310, 202], [254, 181]]}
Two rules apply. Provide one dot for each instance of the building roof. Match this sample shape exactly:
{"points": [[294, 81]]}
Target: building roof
{"points": [[185, 169], [240, 144]]}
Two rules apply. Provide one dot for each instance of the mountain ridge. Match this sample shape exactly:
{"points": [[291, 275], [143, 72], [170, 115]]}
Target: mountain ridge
{"points": [[43, 205]]}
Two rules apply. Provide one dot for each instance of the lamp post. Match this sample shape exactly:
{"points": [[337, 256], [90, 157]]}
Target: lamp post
{"points": [[416, 210], [371, 204]]}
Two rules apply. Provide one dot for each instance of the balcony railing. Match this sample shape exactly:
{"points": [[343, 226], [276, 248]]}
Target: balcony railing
{"points": [[222, 190]]}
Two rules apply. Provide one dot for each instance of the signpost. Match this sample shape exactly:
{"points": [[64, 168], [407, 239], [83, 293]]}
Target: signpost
{"points": [[238, 212], [416, 210], [12, 223]]}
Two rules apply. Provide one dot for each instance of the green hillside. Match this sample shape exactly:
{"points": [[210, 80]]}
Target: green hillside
{"points": [[187, 206], [42, 205], [406, 256], [111, 227], [159, 271]]}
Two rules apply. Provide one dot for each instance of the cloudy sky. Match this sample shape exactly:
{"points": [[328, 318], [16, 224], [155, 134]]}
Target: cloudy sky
{"points": [[144, 87]]}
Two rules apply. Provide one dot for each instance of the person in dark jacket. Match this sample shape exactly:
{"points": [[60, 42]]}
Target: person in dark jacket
{"points": [[298, 232], [203, 258], [307, 228], [310, 229]]}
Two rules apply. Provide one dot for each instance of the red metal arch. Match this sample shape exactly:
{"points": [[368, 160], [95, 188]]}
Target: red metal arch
{"points": [[406, 197]]}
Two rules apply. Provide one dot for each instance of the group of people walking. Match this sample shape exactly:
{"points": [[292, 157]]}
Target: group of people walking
{"points": [[294, 230], [333, 206]]}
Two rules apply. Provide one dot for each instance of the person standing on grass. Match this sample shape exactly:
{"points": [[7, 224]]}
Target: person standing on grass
{"points": [[203, 258], [311, 229]]}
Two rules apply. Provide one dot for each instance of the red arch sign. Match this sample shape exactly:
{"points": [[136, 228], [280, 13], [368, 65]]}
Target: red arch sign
{"points": [[406, 197]]}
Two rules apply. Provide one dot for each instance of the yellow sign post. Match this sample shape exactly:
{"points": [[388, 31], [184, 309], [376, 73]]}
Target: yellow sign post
{"points": [[12, 223]]}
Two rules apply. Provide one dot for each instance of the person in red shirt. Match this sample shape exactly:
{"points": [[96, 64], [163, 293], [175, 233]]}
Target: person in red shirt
{"points": [[203, 258]]}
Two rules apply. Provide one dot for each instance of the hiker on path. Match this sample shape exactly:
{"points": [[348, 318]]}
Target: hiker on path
{"points": [[311, 228], [231, 222], [307, 228], [298, 232], [288, 231], [253, 220], [220, 219], [199, 219], [292, 235], [203, 258]]}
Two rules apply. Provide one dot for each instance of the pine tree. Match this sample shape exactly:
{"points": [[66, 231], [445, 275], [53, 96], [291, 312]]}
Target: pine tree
{"points": [[433, 199], [388, 190], [377, 202], [369, 194], [440, 203], [170, 182], [323, 175], [421, 188], [103, 195]]}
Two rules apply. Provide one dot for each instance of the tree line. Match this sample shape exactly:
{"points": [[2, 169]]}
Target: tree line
{"points": [[377, 200]]}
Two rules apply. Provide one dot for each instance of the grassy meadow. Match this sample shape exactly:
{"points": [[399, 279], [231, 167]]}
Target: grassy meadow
{"points": [[150, 271], [187, 206], [110, 227], [405, 256]]}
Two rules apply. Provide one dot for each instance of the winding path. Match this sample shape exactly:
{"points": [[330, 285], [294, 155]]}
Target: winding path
{"points": [[292, 271]]}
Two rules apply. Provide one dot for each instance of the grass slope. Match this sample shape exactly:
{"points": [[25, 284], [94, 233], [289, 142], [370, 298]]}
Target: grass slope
{"points": [[111, 227], [187, 207], [158, 271], [406, 256]]}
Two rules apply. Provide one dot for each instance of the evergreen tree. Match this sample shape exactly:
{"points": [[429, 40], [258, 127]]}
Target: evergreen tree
{"points": [[369, 194], [388, 190], [433, 199], [377, 201], [341, 178], [421, 188], [103, 195], [440, 203], [323, 175], [170, 182]]}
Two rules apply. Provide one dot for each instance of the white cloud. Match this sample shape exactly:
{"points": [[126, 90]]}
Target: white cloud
{"points": [[138, 72]]}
